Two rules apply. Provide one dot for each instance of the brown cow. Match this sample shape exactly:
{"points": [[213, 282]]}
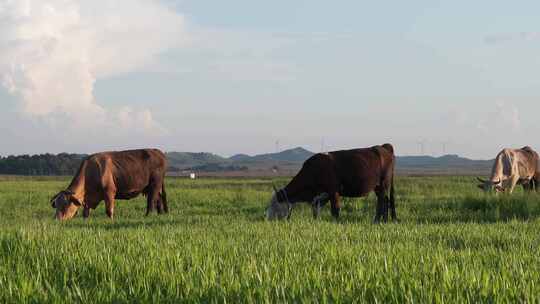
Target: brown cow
{"points": [[349, 173], [513, 167], [115, 175]]}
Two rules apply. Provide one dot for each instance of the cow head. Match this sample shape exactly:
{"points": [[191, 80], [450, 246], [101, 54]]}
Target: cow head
{"points": [[280, 207], [66, 205], [488, 186]]}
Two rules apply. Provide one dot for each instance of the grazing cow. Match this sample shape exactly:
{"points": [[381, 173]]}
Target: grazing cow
{"points": [[513, 167], [348, 173], [114, 175]]}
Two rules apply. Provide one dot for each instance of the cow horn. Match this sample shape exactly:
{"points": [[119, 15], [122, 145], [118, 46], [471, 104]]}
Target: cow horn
{"points": [[290, 211], [497, 182], [53, 199]]}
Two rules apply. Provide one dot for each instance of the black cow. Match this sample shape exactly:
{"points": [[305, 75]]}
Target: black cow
{"points": [[348, 173]]}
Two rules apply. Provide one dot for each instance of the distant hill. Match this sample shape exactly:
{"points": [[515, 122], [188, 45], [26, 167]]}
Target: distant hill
{"points": [[208, 162], [286, 162], [290, 161], [446, 160], [239, 157], [185, 160], [449, 164], [291, 155]]}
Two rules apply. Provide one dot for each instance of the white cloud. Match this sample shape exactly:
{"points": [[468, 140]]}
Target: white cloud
{"points": [[53, 51], [130, 119]]}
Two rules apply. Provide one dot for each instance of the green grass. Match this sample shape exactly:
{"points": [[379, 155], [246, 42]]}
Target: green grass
{"points": [[453, 244]]}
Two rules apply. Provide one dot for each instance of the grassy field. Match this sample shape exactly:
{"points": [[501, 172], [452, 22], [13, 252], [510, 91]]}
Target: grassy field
{"points": [[453, 244]]}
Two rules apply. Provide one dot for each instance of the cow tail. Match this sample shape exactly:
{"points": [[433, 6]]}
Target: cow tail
{"points": [[392, 197], [164, 198]]}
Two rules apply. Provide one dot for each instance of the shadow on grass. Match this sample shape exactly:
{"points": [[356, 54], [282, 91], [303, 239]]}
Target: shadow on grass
{"points": [[477, 209], [465, 209], [106, 224]]}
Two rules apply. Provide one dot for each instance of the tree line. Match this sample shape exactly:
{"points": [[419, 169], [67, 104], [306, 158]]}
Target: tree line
{"points": [[42, 164], [68, 164]]}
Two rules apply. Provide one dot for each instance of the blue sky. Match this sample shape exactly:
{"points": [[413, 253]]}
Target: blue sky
{"points": [[236, 76]]}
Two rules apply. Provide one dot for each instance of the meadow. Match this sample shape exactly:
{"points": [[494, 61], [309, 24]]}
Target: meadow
{"points": [[452, 244]]}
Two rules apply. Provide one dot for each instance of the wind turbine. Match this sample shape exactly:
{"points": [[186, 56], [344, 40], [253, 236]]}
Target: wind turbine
{"points": [[421, 146]]}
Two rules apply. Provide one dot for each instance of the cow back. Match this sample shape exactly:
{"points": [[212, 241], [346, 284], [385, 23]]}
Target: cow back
{"points": [[130, 171], [361, 170]]}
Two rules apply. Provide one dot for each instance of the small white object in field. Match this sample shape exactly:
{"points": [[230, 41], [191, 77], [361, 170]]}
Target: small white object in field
{"points": [[192, 176]]}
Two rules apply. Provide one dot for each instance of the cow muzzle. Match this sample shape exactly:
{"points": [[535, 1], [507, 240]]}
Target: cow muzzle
{"points": [[67, 214]]}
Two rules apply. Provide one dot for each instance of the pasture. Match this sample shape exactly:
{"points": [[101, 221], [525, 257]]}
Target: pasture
{"points": [[453, 244]]}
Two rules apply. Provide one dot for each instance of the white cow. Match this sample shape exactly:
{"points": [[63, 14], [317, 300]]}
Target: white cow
{"points": [[512, 167]]}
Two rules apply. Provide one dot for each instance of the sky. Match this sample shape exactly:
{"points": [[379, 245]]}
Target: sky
{"points": [[239, 76]]}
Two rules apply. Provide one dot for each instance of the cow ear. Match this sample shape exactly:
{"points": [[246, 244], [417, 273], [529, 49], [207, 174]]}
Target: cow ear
{"points": [[53, 201]]}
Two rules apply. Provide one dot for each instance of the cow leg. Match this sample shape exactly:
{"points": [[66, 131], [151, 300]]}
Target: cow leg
{"points": [[316, 209], [164, 201], [159, 204], [392, 202], [513, 184], [528, 185], [149, 202], [109, 204], [532, 185], [389, 211], [385, 209], [336, 205], [392, 206], [318, 201], [382, 208], [86, 212], [164, 197], [153, 199]]}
